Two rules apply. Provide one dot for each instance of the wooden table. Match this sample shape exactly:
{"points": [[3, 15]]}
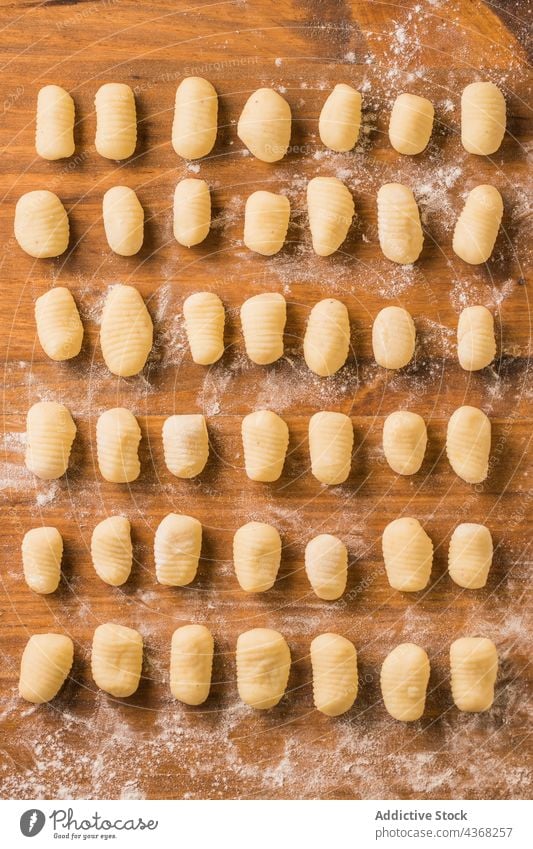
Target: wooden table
{"points": [[86, 744]]}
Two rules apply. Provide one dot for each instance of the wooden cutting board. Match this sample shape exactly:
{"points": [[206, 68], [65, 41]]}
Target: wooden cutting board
{"points": [[86, 744]]}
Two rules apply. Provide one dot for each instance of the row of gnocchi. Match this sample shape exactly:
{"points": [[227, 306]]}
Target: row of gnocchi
{"points": [[263, 661], [257, 547], [265, 122], [42, 226], [126, 331]]}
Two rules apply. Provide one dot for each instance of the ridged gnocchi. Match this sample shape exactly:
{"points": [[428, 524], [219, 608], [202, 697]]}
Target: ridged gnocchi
{"points": [[41, 224], [482, 118], [204, 324], [59, 326], [468, 441], [477, 227], [191, 664], [112, 551], [116, 121], [263, 666], [476, 343], [192, 212], [327, 337], [340, 119], [393, 337], [45, 666], [194, 129], [404, 441], [263, 320], [334, 663], [407, 554], [42, 550], [177, 547], [50, 432], [116, 659], [185, 444], [117, 444], [470, 555], [265, 439], [330, 208], [265, 125], [404, 680], [326, 566], [54, 133], [411, 123], [399, 228], [266, 220], [474, 667], [330, 446], [123, 220], [256, 556], [126, 331]]}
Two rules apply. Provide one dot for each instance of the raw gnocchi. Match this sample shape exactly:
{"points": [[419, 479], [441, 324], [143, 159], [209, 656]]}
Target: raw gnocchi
{"points": [[334, 663], [54, 134], [112, 551], [340, 118], [191, 663], [117, 443], [263, 320], [265, 439], [470, 555], [393, 337], [45, 666], [116, 121], [330, 208], [411, 123], [50, 432], [265, 125], [204, 324], [194, 129], [116, 659], [126, 331], [404, 681], [474, 667], [263, 666], [185, 444], [407, 554], [330, 446], [478, 224], [327, 337], [41, 224], [59, 326], [399, 228], [266, 219], [256, 556], [476, 343], [192, 212], [123, 220], [468, 444], [482, 118], [326, 566], [177, 546], [404, 441], [42, 550]]}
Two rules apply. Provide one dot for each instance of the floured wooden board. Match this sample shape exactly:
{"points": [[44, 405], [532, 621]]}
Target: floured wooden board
{"points": [[85, 744]]}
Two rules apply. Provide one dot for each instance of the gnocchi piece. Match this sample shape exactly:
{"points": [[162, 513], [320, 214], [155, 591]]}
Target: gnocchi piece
{"points": [[474, 667], [263, 666], [265, 125], [45, 666], [123, 220], [477, 227], [404, 441], [126, 331], [54, 134], [330, 208], [177, 546], [470, 555], [191, 664], [476, 343], [411, 123], [327, 337], [330, 446], [340, 118], [468, 444], [192, 212], [408, 555], [42, 550], [256, 556], [186, 445], [482, 118], [404, 681], [399, 228], [326, 566], [116, 659], [112, 551], [194, 130], [50, 432], [393, 337], [117, 443], [266, 220], [204, 324], [263, 320], [41, 224], [265, 439], [59, 326], [334, 663], [116, 121]]}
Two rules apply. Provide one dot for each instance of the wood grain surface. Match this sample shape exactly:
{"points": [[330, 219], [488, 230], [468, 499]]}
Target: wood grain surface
{"points": [[87, 745]]}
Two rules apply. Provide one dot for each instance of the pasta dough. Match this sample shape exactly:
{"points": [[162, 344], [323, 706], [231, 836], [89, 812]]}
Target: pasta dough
{"points": [[399, 228], [411, 123], [50, 432], [330, 446], [478, 224], [408, 555], [326, 566], [340, 118], [404, 441], [111, 550], [194, 130], [482, 118], [59, 326], [256, 556], [42, 550], [204, 324], [330, 208], [474, 667], [126, 331], [41, 224], [186, 445], [263, 666], [54, 135], [191, 663], [265, 125], [117, 443], [404, 681], [393, 337], [192, 212], [334, 662], [266, 219], [468, 444], [45, 666], [116, 660], [116, 121], [123, 220], [327, 337], [470, 555], [476, 344], [265, 439], [177, 546], [263, 320]]}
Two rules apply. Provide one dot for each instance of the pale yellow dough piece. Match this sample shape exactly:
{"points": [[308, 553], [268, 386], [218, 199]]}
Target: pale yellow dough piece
{"points": [[256, 556], [468, 444], [265, 439], [117, 444], [411, 123], [50, 432], [404, 441], [123, 220], [42, 550], [266, 219], [126, 331], [116, 660], [404, 681], [41, 224], [393, 337], [265, 125], [326, 566], [340, 118], [263, 320], [116, 121], [476, 343], [112, 551], [54, 134], [330, 208], [477, 227], [204, 324], [399, 228], [45, 666], [191, 663], [474, 667], [408, 555], [194, 130], [177, 547], [334, 662], [470, 555], [185, 444], [327, 337], [192, 212], [330, 446], [482, 118], [263, 666], [59, 326]]}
